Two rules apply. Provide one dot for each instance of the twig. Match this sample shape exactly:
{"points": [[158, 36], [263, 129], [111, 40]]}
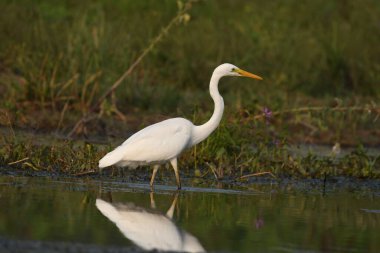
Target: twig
{"points": [[163, 32], [86, 173], [31, 166], [86, 118], [258, 174], [19, 161], [213, 170]]}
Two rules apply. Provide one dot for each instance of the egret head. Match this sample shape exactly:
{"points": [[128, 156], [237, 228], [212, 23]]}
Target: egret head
{"points": [[227, 69]]}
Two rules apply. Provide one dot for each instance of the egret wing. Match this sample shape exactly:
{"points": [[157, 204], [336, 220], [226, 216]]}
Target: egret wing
{"points": [[156, 143], [159, 142]]}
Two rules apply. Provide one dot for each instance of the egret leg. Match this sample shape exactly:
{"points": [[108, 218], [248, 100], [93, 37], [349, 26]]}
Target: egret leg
{"points": [[174, 164], [152, 202], [170, 212], [155, 169]]}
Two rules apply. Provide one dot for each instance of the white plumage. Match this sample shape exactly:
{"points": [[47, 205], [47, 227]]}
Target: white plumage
{"points": [[157, 143], [149, 230], [164, 141]]}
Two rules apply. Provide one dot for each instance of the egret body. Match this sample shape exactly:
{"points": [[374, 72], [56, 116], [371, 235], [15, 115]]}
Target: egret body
{"points": [[149, 229], [164, 141]]}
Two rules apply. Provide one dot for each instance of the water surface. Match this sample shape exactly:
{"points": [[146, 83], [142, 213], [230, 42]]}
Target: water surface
{"points": [[96, 216]]}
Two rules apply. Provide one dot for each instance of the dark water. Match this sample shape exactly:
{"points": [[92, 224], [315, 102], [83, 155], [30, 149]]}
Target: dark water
{"points": [[45, 215]]}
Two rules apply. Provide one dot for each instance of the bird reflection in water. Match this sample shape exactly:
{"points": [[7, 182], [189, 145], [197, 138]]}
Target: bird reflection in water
{"points": [[149, 229]]}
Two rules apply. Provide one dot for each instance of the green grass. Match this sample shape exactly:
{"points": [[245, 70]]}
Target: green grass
{"points": [[222, 156], [61, 48], [319, 60]]}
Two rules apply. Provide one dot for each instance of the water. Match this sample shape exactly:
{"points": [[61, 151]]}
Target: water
{"points": [[46, 215]]}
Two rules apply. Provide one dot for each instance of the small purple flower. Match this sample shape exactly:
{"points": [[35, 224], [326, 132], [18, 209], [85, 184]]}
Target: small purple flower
{"points": [[276, 142], [267, 114], [259, 223]]}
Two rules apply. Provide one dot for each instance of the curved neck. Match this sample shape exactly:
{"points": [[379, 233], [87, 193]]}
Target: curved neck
{"points": [[203, 131]]}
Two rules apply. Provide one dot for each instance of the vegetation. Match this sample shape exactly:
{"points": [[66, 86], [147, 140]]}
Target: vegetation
{"points": [[218, 158], [319, 62]]}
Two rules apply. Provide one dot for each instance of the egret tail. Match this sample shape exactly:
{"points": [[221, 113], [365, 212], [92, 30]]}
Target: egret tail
{"points": [[111, 158]]}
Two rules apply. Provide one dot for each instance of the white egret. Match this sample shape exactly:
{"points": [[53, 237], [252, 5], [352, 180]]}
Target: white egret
{"points": [[164, 141], [149, 229]]}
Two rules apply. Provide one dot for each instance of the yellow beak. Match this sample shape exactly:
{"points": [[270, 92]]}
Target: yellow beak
{"points": [[247, 74]]}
